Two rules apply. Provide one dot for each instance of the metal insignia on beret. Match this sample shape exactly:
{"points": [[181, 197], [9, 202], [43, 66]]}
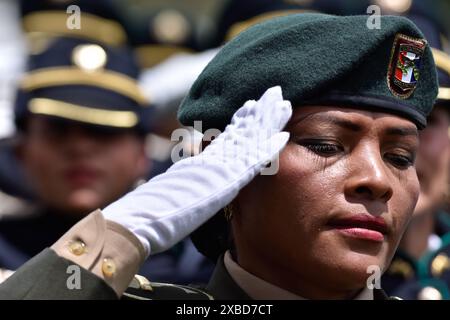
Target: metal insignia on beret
{"points": [[89, 57], [405, 64]]}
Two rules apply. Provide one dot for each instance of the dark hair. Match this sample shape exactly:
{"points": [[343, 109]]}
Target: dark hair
{"points": [[214, 237]]}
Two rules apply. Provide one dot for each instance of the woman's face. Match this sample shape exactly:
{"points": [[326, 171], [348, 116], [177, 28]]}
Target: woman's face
{"points": [[75, 169], [433, 162], [344, 192]]}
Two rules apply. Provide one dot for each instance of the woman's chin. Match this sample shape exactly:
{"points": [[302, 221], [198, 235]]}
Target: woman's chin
{"points": [[354, 269], [362, 268]]}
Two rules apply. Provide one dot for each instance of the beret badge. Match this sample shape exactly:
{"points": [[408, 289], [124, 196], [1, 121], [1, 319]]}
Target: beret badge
{"points": [[405, 64]]}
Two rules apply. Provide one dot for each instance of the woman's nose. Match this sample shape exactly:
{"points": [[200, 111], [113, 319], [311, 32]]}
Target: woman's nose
{"points": [[369, 177]]}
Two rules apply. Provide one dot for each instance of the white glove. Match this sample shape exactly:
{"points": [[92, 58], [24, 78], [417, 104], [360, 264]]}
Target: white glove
{"points": [[170, 206]]}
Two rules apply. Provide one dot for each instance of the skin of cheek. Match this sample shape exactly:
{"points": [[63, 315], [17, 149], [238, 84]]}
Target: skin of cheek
{"points": [[281, 220]]}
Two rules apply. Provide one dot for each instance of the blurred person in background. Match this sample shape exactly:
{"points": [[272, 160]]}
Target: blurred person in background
{"points": [[82, 121], [106, 22], [421, 268]]}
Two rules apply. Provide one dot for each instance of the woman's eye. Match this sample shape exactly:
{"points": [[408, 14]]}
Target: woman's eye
{"points": [[400, 161], [324, 149]]}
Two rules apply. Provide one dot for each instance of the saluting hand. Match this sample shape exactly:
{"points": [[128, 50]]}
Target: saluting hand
{"points": [[170, 206]]}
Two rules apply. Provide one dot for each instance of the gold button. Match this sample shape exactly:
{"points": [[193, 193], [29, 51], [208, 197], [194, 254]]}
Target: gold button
{"points": [[77, 247], [108, 268], [430, 293]]}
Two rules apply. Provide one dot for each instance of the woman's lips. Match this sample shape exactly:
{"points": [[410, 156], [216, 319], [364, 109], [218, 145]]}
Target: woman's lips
{"points": [[361, 226]]}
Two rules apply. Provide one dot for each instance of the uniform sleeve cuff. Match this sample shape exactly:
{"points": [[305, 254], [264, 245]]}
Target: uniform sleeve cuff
{"points": [[103, 247]]}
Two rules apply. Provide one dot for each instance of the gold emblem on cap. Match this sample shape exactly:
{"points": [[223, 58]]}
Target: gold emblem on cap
{"points": [[170, 26], [89, 57]]}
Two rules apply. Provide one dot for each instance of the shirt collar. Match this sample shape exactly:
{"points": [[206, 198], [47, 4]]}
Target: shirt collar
{"points": [[259, 289]]}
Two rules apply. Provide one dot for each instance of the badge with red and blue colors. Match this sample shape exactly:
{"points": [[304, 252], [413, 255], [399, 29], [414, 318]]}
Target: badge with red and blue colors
{"points": [[404, 67]]}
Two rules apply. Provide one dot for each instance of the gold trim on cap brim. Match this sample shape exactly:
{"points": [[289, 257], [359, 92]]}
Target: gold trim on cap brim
{"points": [[442, 60], [70, 111], [92, 27], [61, 76], [444, 93]]}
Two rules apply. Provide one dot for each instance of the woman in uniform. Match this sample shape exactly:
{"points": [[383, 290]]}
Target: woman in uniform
{"points": [[340, 106]]}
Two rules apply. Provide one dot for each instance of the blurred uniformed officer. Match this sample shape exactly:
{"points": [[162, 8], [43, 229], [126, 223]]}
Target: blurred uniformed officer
{"points": [[43, 21], [416, 270], [99, 21], [81, 119]]}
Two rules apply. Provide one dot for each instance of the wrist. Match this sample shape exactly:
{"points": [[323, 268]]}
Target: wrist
{"points": [[103, 247]]}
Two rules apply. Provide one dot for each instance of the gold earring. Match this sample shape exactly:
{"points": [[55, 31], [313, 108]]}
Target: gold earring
{"points": [[228, 210]]}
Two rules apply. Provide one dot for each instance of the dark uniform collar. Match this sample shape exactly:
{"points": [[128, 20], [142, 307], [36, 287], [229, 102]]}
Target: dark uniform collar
{"points": [[222, 287]]}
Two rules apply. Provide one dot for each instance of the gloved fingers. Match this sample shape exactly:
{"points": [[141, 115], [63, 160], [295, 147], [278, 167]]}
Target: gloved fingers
{"points": [[243, 113], [263, 151], [257, 111], [272, 149], [283, 114], [263, 108], [252, 125], [277, 143], [270, 112]]}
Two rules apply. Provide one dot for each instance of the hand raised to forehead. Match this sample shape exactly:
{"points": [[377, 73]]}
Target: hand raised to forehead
{"points": [[170, 206]]}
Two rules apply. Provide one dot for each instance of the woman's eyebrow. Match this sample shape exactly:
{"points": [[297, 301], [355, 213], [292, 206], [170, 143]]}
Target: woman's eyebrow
{"points": [[355, 127], [330, 119], [402, 131]]}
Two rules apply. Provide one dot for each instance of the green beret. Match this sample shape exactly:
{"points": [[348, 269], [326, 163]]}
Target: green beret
{"points": [[319, 59]]}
